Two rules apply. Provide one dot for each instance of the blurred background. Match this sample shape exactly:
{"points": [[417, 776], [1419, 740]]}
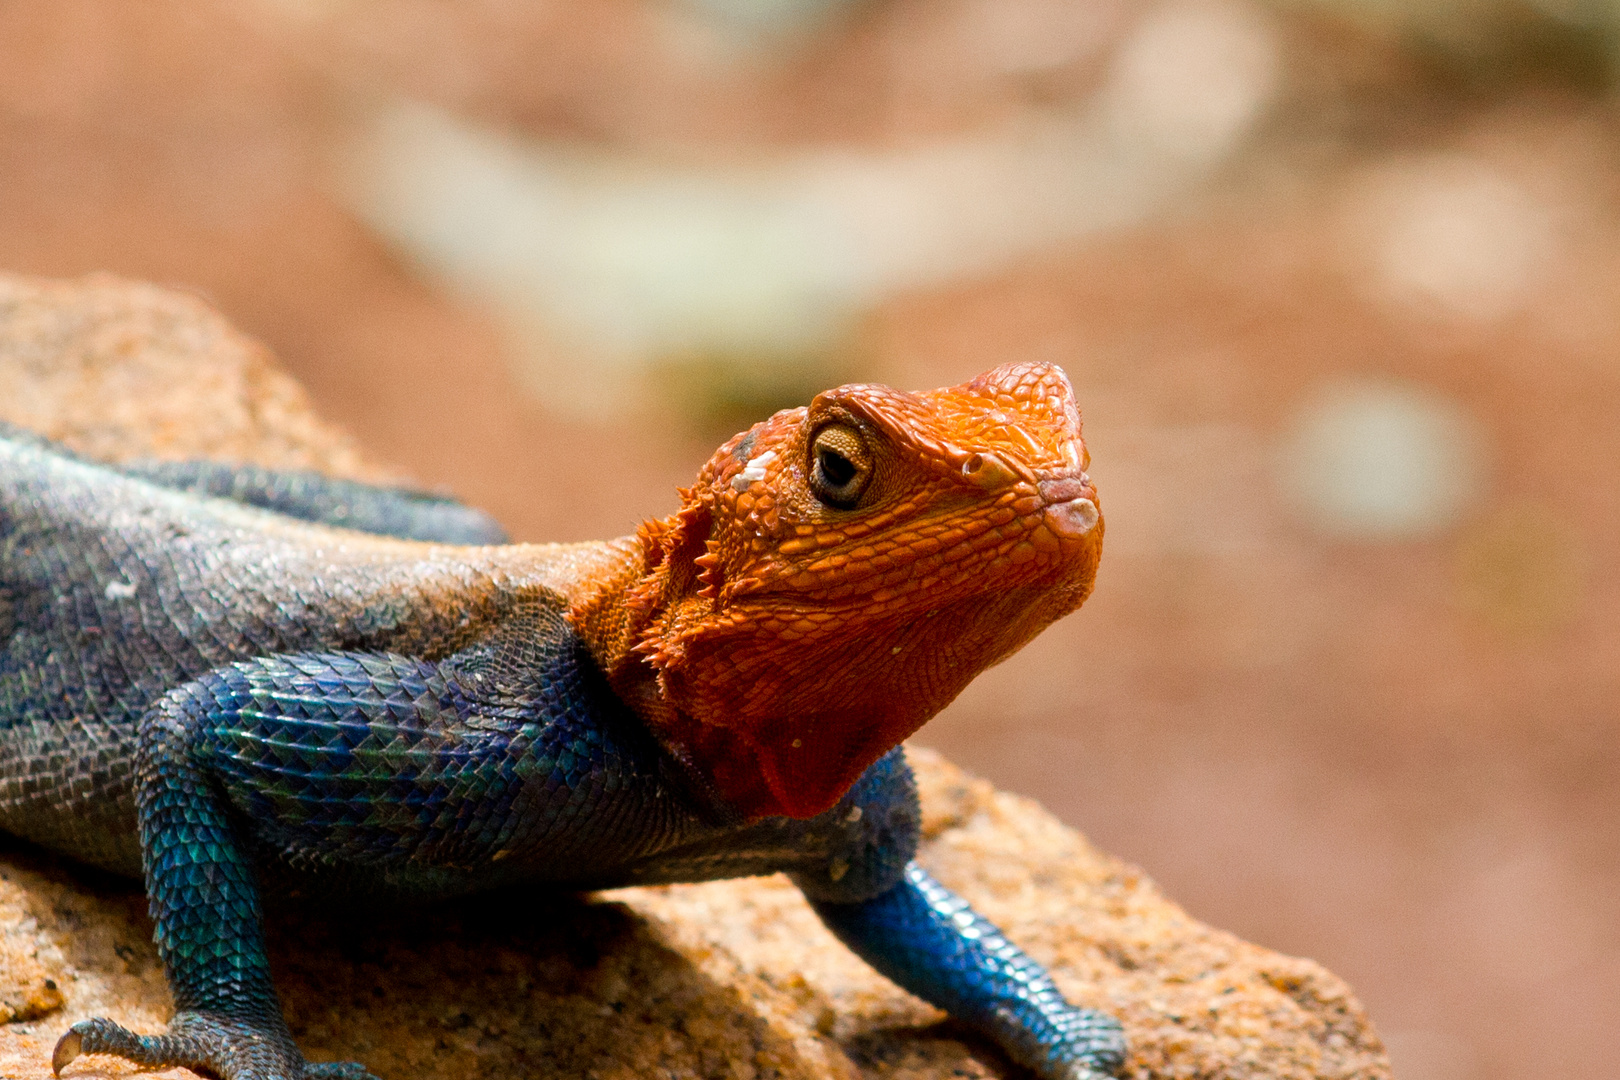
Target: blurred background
{"points": [[1337, 283]]}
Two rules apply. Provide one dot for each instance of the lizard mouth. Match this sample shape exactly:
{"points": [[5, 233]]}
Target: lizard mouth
{"points": [[1071, 506]]}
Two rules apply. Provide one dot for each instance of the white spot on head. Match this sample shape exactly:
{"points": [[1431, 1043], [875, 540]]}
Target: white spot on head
{"points": [[753, 471], [119, 590]]}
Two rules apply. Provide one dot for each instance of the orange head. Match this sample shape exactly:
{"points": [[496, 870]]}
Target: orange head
{"points": [[840, 572]]}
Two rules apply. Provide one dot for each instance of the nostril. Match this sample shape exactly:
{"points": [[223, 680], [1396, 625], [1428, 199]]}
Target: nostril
{"points": [[987, 471]]}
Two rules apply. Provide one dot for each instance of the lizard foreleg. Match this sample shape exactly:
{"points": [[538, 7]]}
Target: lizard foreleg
{"points": [[204, 899], [929, 941]]}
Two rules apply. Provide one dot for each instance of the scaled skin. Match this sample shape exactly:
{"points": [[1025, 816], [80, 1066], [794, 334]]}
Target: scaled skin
{"points": [[784, 645], [219, 697]]}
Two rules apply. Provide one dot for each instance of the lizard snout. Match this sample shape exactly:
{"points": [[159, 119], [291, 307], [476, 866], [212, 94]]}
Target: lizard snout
{"points": [[1071, 505]]}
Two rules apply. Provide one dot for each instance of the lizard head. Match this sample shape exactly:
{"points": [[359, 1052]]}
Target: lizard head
{"points": [[839, 572]]}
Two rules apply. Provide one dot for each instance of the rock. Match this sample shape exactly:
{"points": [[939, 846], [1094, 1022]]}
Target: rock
{"points": [[27, 989], [732, 979], [117, 369]]}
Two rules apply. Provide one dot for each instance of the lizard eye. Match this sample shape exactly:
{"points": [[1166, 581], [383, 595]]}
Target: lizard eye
{"points": [[840, 466]]}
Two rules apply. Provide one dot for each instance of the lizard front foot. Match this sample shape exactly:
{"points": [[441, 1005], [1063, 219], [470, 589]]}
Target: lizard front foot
{"points": [[1090, 1046], [228, 1048]]}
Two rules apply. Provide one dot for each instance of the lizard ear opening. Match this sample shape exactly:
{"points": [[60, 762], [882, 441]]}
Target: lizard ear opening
{"points": [[674, 550]]}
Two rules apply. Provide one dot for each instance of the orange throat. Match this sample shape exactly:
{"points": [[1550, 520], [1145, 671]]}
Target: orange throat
{"points": [[756, 739], [777, 711], [839, 573]]}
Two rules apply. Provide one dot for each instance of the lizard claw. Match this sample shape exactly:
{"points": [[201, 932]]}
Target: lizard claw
{"points": [[227, 1048], [98, 1036], [68, 1047], [1090, 1046], [1080, 1071], [1098, 1043]]}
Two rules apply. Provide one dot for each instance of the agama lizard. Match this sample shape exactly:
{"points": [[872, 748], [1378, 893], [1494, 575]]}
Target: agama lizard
{"points": [[199, 686]]}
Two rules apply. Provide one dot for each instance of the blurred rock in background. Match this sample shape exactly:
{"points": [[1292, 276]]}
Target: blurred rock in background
{"points": [[612, 261], [1338, 285]]}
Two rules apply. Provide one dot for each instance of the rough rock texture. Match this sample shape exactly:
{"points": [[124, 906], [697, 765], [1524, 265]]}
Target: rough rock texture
{"points": [[117, 370], [735, 979]]}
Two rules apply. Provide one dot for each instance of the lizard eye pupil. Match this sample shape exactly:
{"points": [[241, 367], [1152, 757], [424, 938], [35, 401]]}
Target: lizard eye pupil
{"points": [[840, 466], [837, 468]]}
